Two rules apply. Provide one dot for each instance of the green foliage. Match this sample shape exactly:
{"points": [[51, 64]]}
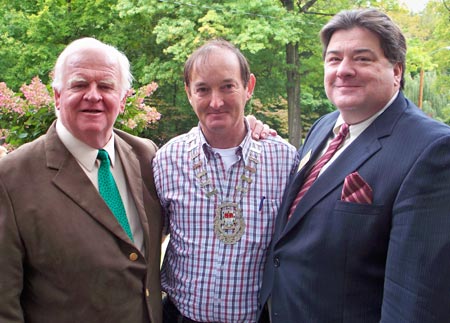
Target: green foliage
{"points": [[275, 113], [35, 32], [314, 108], [435, 103], [428, 39], [158, 35], [174, 121]]}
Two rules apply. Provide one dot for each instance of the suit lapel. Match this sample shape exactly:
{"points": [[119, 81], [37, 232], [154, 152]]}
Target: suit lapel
{"points": [[363, 148], [313, 147], [72, 181], [355, 155], [132, 170]]}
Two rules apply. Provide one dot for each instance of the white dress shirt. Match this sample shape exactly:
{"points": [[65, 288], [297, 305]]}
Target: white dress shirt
{"points": [[354, 131]]}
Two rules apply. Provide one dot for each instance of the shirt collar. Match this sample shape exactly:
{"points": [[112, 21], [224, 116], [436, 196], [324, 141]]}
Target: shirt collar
{"points": [[83, 153], [356, 129], [242, 149]]}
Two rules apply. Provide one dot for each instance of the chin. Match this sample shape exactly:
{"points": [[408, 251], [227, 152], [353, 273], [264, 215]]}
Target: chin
{"points": [[347, 104], [217, 124]]}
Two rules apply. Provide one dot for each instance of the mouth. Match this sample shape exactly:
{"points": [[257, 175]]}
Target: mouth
{"points": [[216, 113], [341, 85], [218, 110], [92, 111]]}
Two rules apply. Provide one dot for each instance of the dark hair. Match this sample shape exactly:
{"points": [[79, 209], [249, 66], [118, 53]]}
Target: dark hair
{"points": [[201, 54], [392, 41]]}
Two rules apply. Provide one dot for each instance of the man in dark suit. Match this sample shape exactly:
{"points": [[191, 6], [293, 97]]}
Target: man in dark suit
{"points": [[63, 255], [368, 237]]}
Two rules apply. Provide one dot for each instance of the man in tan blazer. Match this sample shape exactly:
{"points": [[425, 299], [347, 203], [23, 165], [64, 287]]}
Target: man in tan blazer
{"points": [[63, 255]]}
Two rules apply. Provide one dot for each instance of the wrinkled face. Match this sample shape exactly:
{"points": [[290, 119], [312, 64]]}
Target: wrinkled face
{"points": [[218, 95], [90, 99], [359, 80]]}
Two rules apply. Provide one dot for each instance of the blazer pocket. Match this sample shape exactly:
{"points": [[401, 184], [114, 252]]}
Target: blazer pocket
{"points": [[357, 208]]}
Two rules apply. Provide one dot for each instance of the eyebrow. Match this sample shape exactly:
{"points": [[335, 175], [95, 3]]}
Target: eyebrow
{"points": [[356, 51], [108, 82], [225, 81], [76, 79], [196, 84]]}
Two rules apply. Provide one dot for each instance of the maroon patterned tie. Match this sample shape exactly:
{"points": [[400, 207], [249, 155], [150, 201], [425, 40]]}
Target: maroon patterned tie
{"points": [[335, 144]]}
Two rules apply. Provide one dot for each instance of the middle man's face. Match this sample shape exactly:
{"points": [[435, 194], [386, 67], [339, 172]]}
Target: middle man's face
{"points": [[218, 96]]}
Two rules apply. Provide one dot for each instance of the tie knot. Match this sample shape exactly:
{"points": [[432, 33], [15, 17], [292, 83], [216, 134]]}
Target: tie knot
{"points": [[103, 155], [343, 132]]}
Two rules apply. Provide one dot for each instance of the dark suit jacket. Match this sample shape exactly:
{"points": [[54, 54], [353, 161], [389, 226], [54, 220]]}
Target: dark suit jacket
{"points": [[63, 256], [336, 261]]}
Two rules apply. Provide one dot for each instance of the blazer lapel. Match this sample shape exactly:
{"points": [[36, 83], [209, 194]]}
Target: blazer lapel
{"points": [[313, 147], [72, 181], [365, 146], [358, 152], [132, 170]]}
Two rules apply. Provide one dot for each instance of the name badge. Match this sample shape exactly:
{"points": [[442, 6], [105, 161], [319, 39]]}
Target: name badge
{"points": [[304, 161]]}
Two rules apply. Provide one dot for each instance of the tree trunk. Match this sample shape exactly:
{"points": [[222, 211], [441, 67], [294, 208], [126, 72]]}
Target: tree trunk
{"points": [[293, 87], [294, 79], [293, 95]]}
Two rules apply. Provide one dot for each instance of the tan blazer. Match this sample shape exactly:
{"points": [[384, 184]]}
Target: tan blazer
{"points": [[63, 256]]}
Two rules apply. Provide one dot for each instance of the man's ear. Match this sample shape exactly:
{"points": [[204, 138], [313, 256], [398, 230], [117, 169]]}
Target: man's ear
{"points": [[251, 86], [57, 97], [397, 74], [188, 92]]}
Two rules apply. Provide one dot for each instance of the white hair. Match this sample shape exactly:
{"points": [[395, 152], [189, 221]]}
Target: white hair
{"points": [[122, 62]]}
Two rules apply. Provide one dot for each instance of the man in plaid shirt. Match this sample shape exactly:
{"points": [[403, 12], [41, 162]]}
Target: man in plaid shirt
{"points": [[220, 190]]}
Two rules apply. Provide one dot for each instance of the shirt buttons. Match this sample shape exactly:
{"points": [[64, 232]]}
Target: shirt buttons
{"points": [[133, 256]]}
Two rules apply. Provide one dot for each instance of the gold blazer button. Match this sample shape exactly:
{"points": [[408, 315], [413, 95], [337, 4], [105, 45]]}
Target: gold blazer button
{"points": [[133, 256]]}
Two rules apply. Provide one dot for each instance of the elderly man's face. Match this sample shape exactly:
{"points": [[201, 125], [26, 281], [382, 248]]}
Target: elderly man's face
{"points": [[90, 99], [359, 79]]}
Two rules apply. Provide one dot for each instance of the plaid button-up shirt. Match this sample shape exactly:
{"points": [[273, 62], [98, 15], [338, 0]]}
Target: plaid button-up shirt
{"points": [[208, 280]]}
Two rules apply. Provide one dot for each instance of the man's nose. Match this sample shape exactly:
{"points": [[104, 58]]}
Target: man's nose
{"points": [[345, 68], [216, 99], [93, 94]]}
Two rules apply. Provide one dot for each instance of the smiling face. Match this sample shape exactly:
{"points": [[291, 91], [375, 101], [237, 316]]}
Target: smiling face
{"points": [[90, 98], [359, 79], [218, 97]]}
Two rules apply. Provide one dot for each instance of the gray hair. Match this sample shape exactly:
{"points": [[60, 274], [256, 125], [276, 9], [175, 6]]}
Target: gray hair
{"points": [[392, 40], [122, 62]]}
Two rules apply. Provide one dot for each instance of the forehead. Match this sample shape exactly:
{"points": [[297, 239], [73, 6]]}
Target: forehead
{"points": [[92, 61], [218, 62], [355, 38]]}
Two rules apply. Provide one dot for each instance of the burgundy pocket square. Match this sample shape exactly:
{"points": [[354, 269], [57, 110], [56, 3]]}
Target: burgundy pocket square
{"points": [[356, 190]]}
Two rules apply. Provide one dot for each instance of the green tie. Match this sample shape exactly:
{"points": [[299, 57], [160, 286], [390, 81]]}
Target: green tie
{"points": [[108, 190]]}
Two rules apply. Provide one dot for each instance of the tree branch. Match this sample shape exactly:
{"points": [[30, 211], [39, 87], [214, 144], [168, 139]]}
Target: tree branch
{"points": [[445, 5], [306, 6]]}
